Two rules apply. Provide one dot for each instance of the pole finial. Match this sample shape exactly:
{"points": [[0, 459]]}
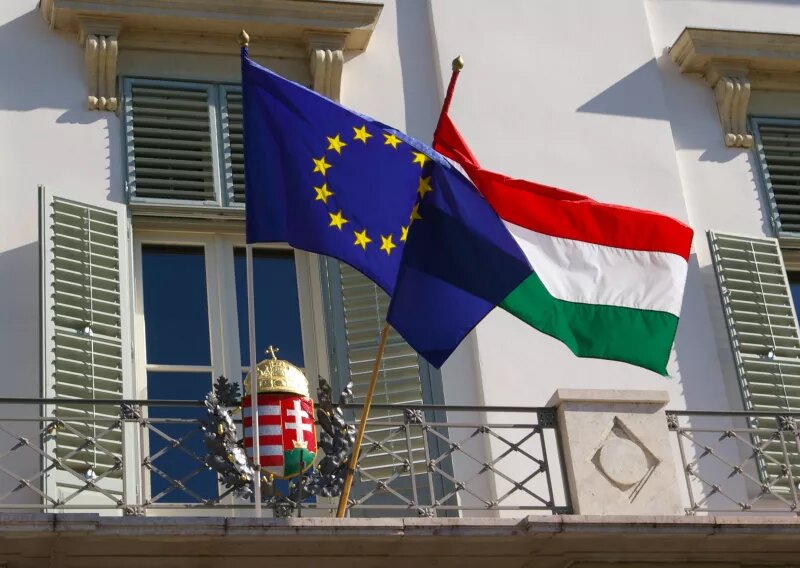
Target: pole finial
{"points": [[244, 39], [458, 63]]}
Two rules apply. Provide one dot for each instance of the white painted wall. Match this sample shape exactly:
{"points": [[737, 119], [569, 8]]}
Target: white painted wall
{"points": [[571, 93]]}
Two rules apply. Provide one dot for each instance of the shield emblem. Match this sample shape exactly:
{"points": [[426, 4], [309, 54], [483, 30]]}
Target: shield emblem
{"points": [[287, 436]]}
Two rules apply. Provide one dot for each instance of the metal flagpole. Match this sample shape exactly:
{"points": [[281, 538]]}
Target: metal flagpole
{"points": [[251, 333], [244, 40], [458, 65]]}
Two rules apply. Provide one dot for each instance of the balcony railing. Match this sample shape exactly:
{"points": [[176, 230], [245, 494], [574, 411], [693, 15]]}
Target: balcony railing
{"points": [[148, 457], [739, 461]]}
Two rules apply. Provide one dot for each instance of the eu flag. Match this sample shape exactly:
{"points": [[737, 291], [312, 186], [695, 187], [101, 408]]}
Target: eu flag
{"points": [[326, 179]]}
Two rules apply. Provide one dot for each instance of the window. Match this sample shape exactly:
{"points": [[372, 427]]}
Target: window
{"points": [[184, 142], [777, 146], [193, 301]]}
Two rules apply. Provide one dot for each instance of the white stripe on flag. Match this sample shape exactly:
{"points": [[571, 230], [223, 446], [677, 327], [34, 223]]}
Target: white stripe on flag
{"points": [[267, 451], [588, 273], [263, 410], [263, 430]]}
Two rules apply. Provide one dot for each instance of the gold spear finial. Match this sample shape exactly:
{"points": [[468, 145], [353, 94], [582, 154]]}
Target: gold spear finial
{"points": [[458, 63], [244, 39]]}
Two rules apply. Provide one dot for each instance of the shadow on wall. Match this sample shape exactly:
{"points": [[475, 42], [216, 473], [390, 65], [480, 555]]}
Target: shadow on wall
{"points": [[420, 82], [43, 69], [19, 314], [638, 94]]}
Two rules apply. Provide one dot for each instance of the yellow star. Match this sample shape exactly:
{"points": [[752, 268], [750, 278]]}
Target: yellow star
{"points": [[322, 193], [404, 236], [362, 239], [337, 220], [387, 244], [335, 144], [391, 140], [321, 165], [415, 213], [362, 134], [420, 158], [424, 186]]}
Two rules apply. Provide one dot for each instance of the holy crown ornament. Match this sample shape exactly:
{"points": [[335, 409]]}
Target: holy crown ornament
{"points": [[287, 436]]}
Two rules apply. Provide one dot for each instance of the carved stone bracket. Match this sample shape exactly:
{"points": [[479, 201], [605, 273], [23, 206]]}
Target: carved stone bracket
{"points": [[326, 53], [735, 62], [100, 43], [732, 94]]}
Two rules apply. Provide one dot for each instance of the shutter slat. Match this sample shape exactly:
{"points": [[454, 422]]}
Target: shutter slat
{"points": [[364, 307], [232, 144], [83, 290], [778, 148], [170, 150]]}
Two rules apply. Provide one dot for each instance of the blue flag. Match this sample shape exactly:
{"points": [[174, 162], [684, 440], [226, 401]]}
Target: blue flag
{"points": [[328, 180]]}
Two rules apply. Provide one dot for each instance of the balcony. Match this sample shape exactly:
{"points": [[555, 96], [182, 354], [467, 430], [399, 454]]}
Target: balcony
{"points": [[148, 458], [97, 481]]}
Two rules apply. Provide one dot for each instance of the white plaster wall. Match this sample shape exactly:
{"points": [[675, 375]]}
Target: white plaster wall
{"points": [[571, 95]]}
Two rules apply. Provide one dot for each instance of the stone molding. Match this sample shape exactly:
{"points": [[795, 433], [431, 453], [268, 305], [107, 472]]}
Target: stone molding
{"points": [[99, 39], [733, 63], [617, 451], [319, 30]]}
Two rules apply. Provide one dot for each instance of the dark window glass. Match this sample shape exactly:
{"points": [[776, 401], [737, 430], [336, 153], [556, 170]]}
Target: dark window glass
{"points": [[184, 462], [277, 309], [175, 305], [794, 286]]}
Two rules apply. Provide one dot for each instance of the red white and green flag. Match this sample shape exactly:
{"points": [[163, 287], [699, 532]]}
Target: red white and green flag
{"points": [[605, 280]]}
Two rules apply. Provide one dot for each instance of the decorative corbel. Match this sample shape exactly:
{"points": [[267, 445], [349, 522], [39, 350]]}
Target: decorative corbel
{"points": [[732, 93], [326, 53], [100, 44]]}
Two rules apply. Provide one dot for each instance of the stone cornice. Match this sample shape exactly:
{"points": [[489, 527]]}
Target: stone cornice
{"points": [[733, 63], [195, 21], [319, 30]]}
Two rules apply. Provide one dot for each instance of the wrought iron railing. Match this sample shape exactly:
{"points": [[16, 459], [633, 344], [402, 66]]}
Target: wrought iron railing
{"points": [[739, 461], [148, 457]]}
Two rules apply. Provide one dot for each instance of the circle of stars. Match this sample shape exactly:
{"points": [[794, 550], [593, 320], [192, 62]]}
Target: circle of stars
{"points": [[337, 218]]}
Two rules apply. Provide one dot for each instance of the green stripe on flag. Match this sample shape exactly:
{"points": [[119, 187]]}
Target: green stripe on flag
{"points": [[640, 337]]}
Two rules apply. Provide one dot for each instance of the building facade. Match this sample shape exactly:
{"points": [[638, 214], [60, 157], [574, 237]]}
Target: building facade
{"points": [[122, 279]]}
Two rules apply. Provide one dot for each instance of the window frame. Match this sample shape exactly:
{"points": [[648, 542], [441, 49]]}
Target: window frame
{"points": [[219, 143], [219, 244]]}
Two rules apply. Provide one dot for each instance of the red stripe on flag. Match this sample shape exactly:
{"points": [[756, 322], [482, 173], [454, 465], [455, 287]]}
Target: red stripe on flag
{"points": [[560, 213], [269, 419], [271, 460], [264, 441]]}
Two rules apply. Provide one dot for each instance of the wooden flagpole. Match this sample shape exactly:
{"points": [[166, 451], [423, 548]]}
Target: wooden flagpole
{"points": [[458, 65]]}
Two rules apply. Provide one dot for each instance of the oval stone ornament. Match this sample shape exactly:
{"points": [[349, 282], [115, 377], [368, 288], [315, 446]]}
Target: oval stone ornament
{"points": [[623, 461]]}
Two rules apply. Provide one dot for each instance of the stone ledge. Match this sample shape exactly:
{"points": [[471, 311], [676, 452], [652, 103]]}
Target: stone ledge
{"points": [[84, 523], [608, 396]]}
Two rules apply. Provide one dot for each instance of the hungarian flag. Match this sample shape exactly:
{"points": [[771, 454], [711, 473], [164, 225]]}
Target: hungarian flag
{"points": [[605, 280]]}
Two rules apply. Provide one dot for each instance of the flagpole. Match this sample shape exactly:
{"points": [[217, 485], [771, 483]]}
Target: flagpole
{"points": [[458, 65], [244, 40], [362, 425]]}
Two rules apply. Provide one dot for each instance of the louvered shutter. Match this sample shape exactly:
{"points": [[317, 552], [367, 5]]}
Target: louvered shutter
{"points": [[778, 151], [170, 141], [85, 342], [232, 140], [762, 327], [357, 312]]}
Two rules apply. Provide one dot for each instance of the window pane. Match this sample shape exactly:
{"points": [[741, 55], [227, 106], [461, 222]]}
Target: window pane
{"points": [[185, 461], [175, 305], [277, 309], [794, 285]]}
